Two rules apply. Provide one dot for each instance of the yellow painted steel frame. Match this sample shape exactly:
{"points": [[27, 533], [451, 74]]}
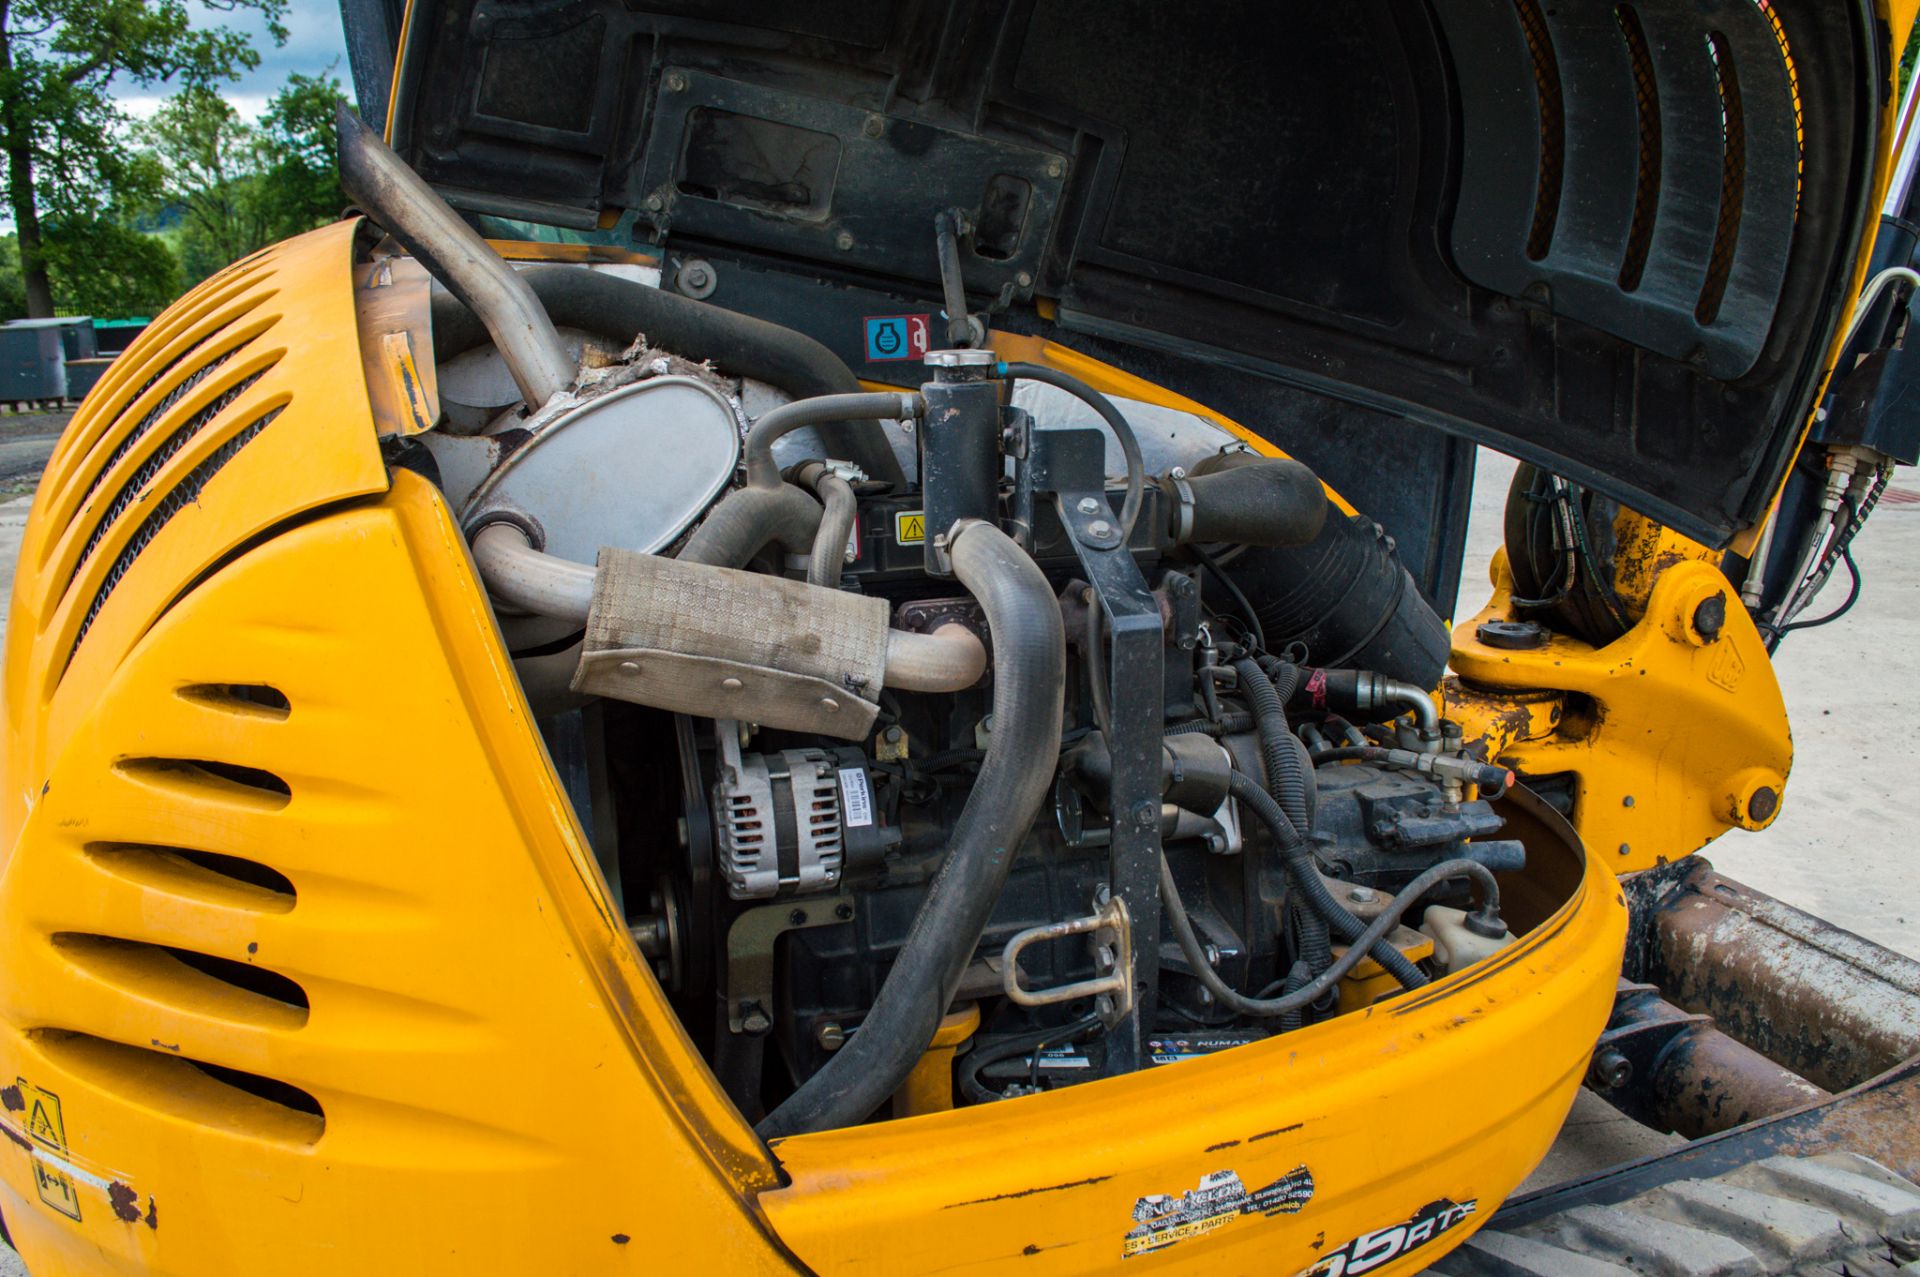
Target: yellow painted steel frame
{"points": [[305, 963]]}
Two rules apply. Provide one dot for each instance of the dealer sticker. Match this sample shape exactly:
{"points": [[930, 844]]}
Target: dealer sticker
{"points": [[1162, 1220]]}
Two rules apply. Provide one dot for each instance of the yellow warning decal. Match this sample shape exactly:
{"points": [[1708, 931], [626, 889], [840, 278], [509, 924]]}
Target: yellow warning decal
{"points": [[47, 1126], [910, 527]]}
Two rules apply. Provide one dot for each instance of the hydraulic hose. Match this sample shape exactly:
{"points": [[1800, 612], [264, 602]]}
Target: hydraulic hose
{"points": [[491, 292], [737, 344], [1299, 861], [949, 659], [1129, 445], [836, 525], [1015, 777], [1374, 935]]}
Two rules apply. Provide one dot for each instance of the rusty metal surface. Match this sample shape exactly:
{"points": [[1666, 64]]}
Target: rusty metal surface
{"points": [[1674, 1071], [1833, 1007]]}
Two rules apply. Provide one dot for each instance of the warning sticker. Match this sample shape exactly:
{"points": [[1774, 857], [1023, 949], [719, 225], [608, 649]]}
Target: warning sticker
{"points": [[891, 337], [48, 1126], [910, 527]]}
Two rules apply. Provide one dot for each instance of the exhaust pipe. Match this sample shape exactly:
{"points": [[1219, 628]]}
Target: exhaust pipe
{"points": [[394, 196]]}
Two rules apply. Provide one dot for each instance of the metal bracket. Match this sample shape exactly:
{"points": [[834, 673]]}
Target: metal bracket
{"points": [[1114, 955], [750, 943]]}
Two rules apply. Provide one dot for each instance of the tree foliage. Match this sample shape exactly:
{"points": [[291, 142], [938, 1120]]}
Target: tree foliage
{"points": [[68, 173]]}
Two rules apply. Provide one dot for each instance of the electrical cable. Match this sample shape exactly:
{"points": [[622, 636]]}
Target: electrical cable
{"points": [[1233, 590], [1129, 444], [1853, 596]]}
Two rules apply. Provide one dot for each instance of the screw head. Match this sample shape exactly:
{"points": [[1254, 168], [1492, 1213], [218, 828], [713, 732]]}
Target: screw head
{"points": [[874, 126], [843, 241], [1024, 279], [1056, 168], [1360, 895], [1087, 505], [1100, 528], [676, 82], [655, 203]]}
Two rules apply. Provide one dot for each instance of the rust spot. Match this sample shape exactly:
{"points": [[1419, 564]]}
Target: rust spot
{"points": [[126, 1204], [167, 1046], [1278, 1130], [44, 787], [11, 1097], [621, 1239], [1215, 1148], [17, 1137], [1029, 1192], [153, 1213], [1030, 1249]]}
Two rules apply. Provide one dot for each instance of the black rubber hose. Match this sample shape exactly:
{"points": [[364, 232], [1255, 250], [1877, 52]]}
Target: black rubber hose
{"points": [[1225, 725], [1298, 858], [1273, 502], [818, 412], [1129, 445], [1286, 771], [1374, 935], [1029, 682], [737, 344], [742, 524]]}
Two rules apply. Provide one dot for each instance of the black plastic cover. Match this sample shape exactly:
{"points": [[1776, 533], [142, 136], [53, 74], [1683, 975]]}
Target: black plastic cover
{"points": [[1611, 239]]}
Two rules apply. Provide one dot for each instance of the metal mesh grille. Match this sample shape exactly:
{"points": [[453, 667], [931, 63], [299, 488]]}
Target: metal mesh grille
{"points": [[1793, 86], [1733, 178], [131, 489], [1646, 192], [1546, 75], [183, 494], [145, 423]]}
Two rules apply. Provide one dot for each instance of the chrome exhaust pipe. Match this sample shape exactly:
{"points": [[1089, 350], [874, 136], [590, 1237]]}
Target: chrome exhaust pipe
{"points": [[394, 196]]}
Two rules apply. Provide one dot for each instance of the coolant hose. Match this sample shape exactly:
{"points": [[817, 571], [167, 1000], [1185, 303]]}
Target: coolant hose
{"points": [[1129, 445], [1298, 858], [747, 519], [738, 345], [762, 472], [1274, 501], [1030, 670], [1286, 773], [836, 525], [1372, 937], [949, 659]]}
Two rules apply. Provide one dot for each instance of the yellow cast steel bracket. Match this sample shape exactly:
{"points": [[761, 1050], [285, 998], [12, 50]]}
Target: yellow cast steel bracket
{"points": [[1674, 733]]}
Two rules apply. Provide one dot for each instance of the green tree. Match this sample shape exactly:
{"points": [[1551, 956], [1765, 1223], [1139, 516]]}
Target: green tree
{"points": [[66, 161], [209, 157], [299, 148]]}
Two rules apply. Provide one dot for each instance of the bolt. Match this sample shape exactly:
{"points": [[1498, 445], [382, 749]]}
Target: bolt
{"points": [[697, 280], [874, 126], [1145, 814], [1056, 168], [655, 203], [1100, 528], [1626, 849], [755, 1021], [1024, 279], [893, 735], [1611, 1070], [797, 918], [1710, 617], [829, 1036], [843, 911], [1087, 505], [676, 82], [1627, 801], [1360, 895], [1213, 955], [843, 241], [1763, 804]]}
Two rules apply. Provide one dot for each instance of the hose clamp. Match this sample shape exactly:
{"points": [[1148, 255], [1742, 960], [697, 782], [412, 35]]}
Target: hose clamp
{"points": [[1182, 510]]}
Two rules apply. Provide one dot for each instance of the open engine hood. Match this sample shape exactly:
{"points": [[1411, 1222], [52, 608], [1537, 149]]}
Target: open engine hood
{"points": [[1612, 240]]}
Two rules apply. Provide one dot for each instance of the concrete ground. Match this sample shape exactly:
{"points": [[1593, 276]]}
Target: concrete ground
{"points": [[1841, 848]]}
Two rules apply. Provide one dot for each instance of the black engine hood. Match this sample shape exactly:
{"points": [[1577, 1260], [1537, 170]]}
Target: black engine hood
{"points": [[1612, 240]]}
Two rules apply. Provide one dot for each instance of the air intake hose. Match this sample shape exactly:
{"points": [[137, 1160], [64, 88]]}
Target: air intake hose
{"points": [[1028, 688]]}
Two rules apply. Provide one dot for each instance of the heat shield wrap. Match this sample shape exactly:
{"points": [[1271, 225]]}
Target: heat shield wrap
{"points": [[720, 643]]}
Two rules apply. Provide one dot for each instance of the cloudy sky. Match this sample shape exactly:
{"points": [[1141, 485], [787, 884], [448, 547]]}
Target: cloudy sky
{"points": [[314, 43]]}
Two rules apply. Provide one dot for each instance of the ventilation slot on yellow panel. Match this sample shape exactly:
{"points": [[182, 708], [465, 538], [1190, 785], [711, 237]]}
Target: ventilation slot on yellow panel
{"points": [[206, 1094], [184, 493], [254, 699], [203, 780], [193, 984], [158, 411], [209, 877]]}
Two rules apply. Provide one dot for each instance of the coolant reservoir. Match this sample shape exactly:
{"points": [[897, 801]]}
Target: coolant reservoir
{"points": [[1455, 944]]}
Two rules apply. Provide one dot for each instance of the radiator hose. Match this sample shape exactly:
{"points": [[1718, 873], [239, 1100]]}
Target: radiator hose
{"points": [[1030, 663]]}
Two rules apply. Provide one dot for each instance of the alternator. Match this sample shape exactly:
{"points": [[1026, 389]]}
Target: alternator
{"points": [[778, 819]]}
